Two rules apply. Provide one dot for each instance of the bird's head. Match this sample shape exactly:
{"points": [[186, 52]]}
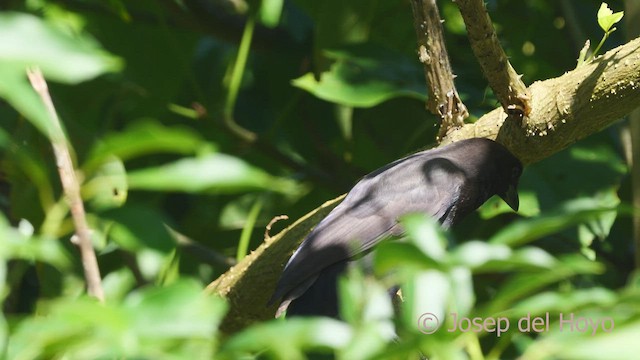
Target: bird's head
{"points": [[509, 190], [495, 169]]}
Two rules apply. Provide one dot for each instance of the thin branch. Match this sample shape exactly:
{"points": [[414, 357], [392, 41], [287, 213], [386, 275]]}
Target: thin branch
{"points": [[267, 229], [503, 79], [71, 188], [443, 100]]}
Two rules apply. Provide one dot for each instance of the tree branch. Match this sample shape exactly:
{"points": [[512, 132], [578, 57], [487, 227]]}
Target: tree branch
{"points": [[249, 285], [443, 99], [568, 108], [71, 188], [503, 79]]}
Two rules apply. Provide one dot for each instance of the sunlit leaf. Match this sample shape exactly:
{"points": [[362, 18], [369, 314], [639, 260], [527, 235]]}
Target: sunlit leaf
{"points": [[185, 311], [391, 255], [607, 18], [426, 234], [27, 41], [174, 322], [482, 256], [14, 244], [565, 302], [366, 303], [270, 12], [621, 342], [212, 173], [285, 339], [426, 297]]}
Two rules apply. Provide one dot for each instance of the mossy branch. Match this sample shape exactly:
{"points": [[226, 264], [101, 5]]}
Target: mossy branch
{"points": [[248, 285]]}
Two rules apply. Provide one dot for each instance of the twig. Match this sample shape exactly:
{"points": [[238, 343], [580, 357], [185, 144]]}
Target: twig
{"points": [[443, 100], [70, 186], [267, 229], [503, 79]]}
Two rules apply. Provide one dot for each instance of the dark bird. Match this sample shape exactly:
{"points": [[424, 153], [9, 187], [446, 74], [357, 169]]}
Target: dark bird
{"points": [[446, 183]]}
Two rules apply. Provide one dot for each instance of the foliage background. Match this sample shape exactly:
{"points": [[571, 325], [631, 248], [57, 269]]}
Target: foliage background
{"points": [[332, 89]]}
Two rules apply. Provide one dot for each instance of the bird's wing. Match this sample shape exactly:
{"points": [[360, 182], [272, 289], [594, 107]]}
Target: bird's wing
{"points": [[370, 213]]}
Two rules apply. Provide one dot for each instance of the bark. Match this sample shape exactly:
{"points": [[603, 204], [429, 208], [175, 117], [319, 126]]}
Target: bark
{"points": [[249, 284], [443, 100], [567, 108], [503, 79]]}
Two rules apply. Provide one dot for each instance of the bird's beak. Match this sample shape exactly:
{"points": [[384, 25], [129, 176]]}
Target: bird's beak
{"points": [[511, 197]]}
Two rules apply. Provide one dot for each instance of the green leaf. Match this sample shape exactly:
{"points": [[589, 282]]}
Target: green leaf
{"points": [[564, 302], [270, 12], [481, 256], [391, 255], [426, 234], [108, 187], [144, 137], [16, 90], [15, 244], [572, 213], [27, 41], [138, 227], [366, 304], [462, 292], [362, 299], [526, 284], [426, 294], [174, 322], [365, 76], [607, 18], [287, 339], [117, 284], [621, 342], [180, 310], [217, 173]]}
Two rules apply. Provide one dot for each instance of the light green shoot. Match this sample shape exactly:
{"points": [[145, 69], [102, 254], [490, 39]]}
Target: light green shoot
{"points": [[606, 19]]}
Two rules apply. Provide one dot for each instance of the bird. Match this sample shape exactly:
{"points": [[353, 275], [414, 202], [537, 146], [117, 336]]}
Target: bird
{"points": [[446, 183]]}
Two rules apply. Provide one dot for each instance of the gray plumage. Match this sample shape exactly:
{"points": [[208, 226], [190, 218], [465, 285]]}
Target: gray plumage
{"points": [[446, 183]]}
